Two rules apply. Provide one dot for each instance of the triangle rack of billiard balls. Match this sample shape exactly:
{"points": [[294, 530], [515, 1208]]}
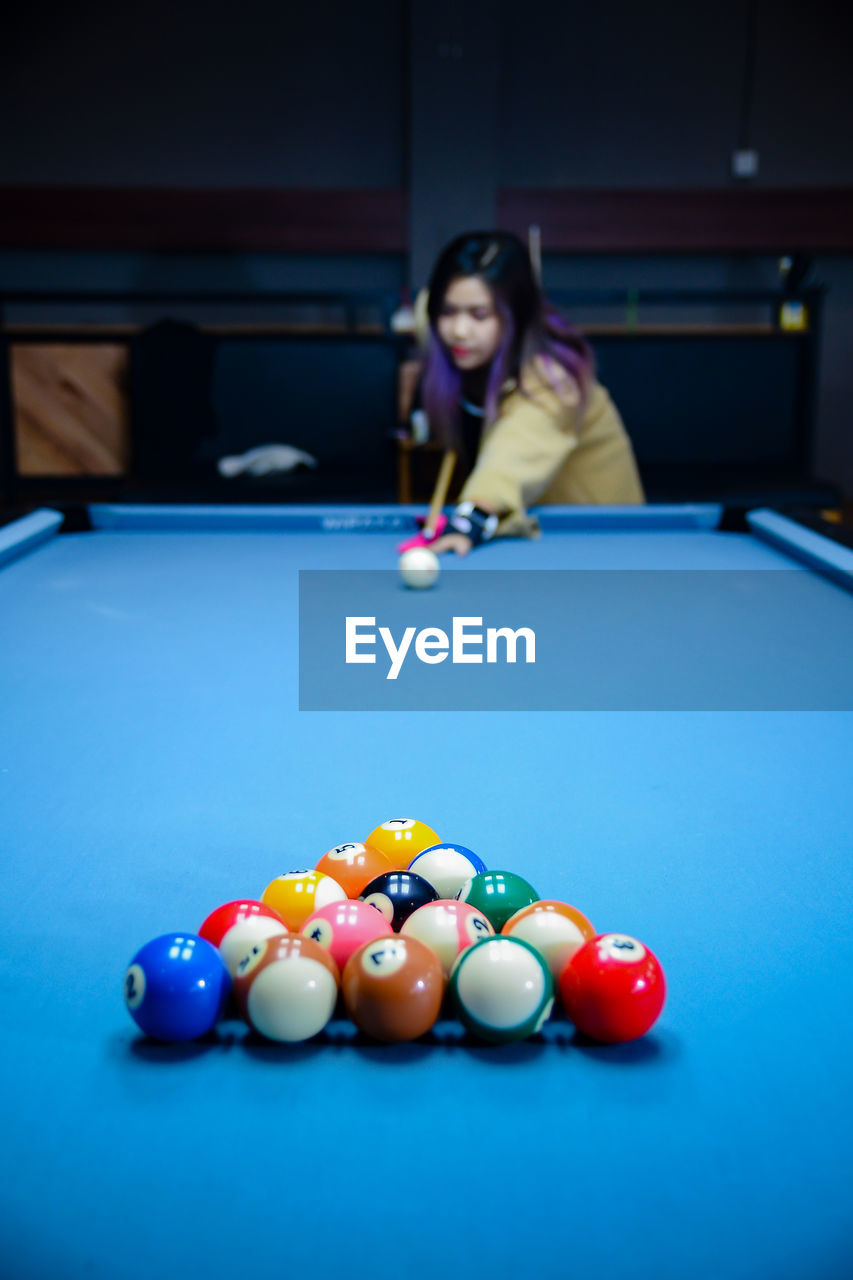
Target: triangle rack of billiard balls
{"points": [[394, 933]]}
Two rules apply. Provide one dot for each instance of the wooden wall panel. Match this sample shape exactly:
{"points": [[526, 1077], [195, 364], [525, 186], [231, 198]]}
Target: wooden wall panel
{"points": [[226, 219], [71, 412], [715, 220], [720, 220]]}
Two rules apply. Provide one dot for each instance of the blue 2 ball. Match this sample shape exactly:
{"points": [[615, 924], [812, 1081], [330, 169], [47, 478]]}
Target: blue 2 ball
{"points": [[176, 987]]}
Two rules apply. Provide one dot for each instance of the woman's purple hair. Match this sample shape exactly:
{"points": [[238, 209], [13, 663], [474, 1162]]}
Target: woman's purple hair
{"points": [[531, 328]]}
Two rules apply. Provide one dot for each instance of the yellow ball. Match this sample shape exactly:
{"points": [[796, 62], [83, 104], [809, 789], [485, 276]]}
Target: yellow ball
{"points": [[401, 840], [299, 894]]}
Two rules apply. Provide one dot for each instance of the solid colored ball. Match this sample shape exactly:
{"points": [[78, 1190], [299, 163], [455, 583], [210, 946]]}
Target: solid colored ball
{"points": [[419, 567], [286, 988], [502, 989], [401, 839], [342, 927], [553, 928], [176, 986], [353, 865], [448, 927], [393, 988], [396, 894], [613, 988], [236, 926], [447, 867], [498, 894], [298, 894]]}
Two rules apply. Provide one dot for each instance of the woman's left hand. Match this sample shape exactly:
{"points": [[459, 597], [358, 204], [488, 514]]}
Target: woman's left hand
{"points": [[458, 542]]}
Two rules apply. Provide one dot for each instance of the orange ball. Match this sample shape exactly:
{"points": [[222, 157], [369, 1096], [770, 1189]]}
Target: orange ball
{"points": [[401, 840], [554, 928], [353, 866]]}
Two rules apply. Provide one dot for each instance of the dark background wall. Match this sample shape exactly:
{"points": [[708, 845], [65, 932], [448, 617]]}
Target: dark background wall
{"points": [[194, 94], [651, 95], [452, 103]]}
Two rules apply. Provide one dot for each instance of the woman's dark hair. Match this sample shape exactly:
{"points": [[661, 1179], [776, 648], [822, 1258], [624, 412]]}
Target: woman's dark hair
{"points": [[531, 327]]}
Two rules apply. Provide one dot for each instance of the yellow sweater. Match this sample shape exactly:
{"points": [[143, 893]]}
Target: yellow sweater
{"points": [[544, 448]]}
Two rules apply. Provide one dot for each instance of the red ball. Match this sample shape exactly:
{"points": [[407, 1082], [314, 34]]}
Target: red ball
{"points": [[236, 926], [613, 988]]}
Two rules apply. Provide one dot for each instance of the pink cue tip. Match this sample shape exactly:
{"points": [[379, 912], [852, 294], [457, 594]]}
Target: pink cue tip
{"points": [[421, 540]]}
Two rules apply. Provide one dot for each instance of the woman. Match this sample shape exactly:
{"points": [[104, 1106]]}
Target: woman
{"points": [[511, 386]]}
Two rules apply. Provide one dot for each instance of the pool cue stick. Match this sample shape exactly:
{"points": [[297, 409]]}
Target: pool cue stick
{"points": [[534, 248], [439, 493]]}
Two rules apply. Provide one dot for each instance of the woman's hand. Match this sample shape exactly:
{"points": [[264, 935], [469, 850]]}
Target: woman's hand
{"points": [[458, 542]]}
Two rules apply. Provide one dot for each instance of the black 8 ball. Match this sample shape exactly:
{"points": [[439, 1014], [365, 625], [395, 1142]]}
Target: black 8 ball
{"points": [[397, 894]]}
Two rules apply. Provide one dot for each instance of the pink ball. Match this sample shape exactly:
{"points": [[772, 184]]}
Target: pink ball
{"points": [[449, 927], [342, 927]]}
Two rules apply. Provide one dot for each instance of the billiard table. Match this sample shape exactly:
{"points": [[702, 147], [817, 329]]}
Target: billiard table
{"points": [[161, 754]]}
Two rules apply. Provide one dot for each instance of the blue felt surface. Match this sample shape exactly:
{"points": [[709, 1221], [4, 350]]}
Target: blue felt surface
{"points": [[152, 765]]}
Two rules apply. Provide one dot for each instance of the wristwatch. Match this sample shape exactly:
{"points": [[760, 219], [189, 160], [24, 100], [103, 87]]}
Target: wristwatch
{"points": [[474, 522]]}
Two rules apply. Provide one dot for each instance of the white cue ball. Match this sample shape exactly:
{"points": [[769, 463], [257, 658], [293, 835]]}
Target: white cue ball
{"points": [[419, 567]]}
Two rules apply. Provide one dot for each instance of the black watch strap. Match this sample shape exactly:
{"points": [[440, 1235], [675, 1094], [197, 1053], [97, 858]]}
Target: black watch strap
{"points": [[474, 522]]}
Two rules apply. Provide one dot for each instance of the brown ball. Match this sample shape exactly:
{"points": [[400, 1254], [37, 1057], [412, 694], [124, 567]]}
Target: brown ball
{"points": [[393, 988], [286, 987]]}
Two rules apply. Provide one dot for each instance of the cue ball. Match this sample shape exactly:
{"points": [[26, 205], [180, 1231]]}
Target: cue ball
{"points": [[176, 986], [613, 988], [419, 567]]}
